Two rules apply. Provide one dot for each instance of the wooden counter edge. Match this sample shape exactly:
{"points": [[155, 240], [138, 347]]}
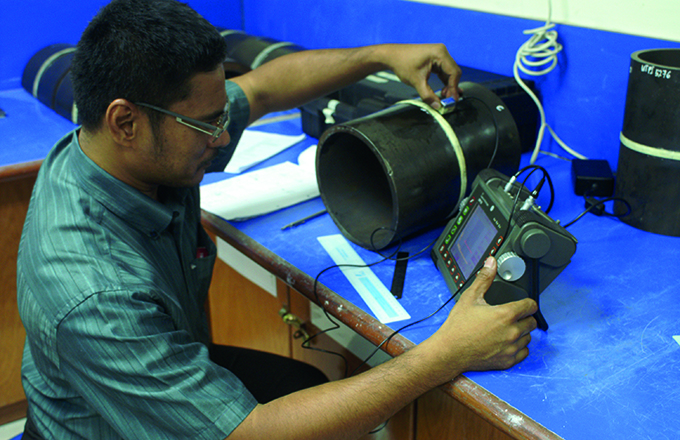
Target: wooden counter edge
{"points": [[20, 170], [492, 409]]}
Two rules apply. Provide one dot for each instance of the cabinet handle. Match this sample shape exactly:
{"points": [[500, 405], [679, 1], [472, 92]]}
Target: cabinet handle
{"points": [[294, 321]]}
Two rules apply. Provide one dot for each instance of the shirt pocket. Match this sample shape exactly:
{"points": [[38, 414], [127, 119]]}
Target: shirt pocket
{"points": [[201, 271]]}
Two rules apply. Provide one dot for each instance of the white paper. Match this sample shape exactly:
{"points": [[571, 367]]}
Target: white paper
{"points": [[257, 146], [262, 191], [377, 297]]}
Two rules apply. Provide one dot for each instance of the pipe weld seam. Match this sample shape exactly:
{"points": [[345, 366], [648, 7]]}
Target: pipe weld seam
{"points": [[650, 151], [453, 140]]}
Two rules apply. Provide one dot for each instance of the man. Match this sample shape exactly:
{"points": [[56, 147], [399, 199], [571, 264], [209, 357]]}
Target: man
{"points": [[114, 266]]}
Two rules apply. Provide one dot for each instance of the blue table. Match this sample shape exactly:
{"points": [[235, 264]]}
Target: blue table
{"points": [[608, 367], [29, 129]]}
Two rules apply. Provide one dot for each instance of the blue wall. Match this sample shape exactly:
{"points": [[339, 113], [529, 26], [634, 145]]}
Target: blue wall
{"points": [[26, 26], [584, 97]]}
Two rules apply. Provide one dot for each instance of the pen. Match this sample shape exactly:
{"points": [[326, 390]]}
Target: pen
{"points": [[302, 220]]}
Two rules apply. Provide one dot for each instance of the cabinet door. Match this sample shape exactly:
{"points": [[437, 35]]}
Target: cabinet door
{"points": [[243, 314], [401, 425], [440, 416], [14, 198]]}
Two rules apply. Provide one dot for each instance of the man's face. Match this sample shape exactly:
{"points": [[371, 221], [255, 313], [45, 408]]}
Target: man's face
{"points": [[178, 155]]}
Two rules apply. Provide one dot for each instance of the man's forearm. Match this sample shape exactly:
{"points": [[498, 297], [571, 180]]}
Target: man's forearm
{"points": [[297, 78], [345, 409]]}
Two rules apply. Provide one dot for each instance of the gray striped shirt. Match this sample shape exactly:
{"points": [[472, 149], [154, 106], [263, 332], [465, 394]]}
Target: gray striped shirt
{"points": [[111, 287]]}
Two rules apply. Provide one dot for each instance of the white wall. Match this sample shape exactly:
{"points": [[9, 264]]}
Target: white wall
{"points": [[658, 19]]}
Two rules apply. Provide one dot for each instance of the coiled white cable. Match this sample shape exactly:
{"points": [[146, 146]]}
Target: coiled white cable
{"points": [[539, 50]]}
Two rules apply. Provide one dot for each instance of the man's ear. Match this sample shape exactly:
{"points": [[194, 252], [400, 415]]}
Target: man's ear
{"points": [[124, 121]]}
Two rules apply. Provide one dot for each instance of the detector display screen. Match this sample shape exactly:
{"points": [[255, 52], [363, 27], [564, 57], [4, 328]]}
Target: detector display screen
{"points": [[469, 248]]}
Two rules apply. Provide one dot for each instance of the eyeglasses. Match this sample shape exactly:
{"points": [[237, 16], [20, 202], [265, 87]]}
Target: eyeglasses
{"points": [[214, 130]]}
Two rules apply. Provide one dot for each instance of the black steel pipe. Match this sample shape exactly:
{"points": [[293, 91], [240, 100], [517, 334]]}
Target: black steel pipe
{"points": [[649, 152], [398, 171]]}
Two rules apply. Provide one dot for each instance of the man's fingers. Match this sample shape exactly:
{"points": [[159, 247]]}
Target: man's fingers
{"points": [[518, 351], [523, 308], [527, 325], [427, 95], [523, 348], [482, 282], [517, 311], [449, 73], [521, 355], [451, 80]]}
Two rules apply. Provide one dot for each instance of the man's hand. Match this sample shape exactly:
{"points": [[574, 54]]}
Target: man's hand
{"points": [[477, 336], [414, 64], [294, 79]]}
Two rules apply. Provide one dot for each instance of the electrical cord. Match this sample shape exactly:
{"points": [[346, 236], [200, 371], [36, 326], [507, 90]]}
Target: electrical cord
{"points": [[495, 125], [335, 325], [599, 205], [306, 344], [396, 332], [410, 257], [509, 185], [546, 177], [540, 52]]}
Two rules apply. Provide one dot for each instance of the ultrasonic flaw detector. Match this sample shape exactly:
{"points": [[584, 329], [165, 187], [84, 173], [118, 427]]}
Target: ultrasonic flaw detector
{"points": [[499, 219]]}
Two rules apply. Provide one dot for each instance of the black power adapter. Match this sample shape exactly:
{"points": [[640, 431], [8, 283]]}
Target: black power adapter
{"points": [[592, 177]]}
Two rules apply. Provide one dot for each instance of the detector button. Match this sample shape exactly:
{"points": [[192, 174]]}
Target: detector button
{"points": [[511, 267]]}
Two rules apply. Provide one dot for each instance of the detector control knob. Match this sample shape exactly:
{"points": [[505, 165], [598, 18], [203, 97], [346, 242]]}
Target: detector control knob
{"points": [[511, 267]]}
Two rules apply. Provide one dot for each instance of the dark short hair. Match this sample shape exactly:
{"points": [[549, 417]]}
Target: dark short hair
{"points": [[142, 51]]}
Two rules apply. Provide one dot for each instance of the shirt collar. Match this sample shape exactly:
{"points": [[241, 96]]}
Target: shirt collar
{"points": [[128, 203]]}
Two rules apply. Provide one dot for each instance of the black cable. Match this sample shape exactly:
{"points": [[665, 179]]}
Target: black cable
{"points": [[380, 428], [495, 125], [552, 193], [546, 175], [533, 168], [467, 282], [600, 203], [411, 256], [396, 332], [519, 191], [512, 212], [306, 343]]}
